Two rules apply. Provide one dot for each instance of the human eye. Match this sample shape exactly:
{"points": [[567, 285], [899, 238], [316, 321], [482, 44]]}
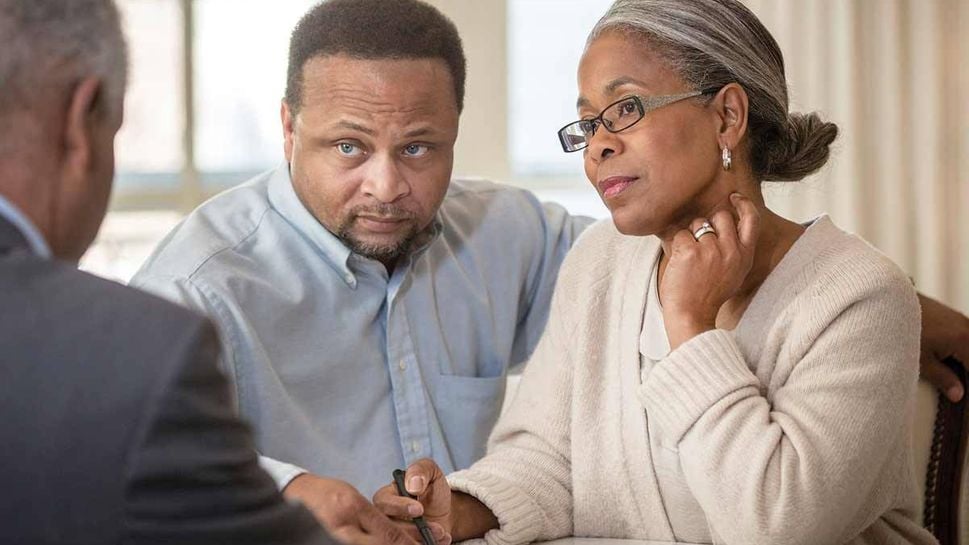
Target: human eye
{"points": [[349, 149], [628, 107], [416, 150]]}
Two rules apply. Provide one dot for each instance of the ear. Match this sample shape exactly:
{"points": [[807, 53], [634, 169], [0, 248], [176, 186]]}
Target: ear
{"points": [[731, 104], [288, 120], [85, 106]]}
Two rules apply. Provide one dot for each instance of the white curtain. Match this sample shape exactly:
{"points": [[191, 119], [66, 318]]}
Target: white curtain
{"points": [[894, 75]]}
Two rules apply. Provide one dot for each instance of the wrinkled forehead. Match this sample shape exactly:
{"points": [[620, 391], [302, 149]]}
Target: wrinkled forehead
{"points": [[403, 86]]}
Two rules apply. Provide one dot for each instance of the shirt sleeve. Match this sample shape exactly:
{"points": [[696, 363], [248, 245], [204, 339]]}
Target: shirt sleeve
{"points": [[185, 292], [559, 231], [192, 475], [281, 472]]}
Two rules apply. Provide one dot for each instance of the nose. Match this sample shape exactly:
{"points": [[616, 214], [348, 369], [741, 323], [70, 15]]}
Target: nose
{"points": [[384, 181], [602, 145]]}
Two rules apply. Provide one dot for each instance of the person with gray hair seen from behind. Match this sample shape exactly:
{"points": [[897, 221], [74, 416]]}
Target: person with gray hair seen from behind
{"points": [[711, 372], [118, 426]]}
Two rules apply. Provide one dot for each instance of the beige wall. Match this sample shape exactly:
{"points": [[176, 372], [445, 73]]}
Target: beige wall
{"points": [[482, 143]]}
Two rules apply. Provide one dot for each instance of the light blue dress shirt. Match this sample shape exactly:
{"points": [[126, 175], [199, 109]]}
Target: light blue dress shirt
{"points": [[31, 234], [347, 371]]}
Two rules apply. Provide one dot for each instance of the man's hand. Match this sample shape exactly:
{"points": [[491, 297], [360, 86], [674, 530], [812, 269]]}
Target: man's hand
{"points": [[344, 512], [945, 334], [426, 482]]}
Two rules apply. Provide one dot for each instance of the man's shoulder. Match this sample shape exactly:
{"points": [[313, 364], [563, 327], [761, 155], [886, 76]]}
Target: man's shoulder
{"points": [[464, 192], [83, 308], [216, 226], [479, 204]]}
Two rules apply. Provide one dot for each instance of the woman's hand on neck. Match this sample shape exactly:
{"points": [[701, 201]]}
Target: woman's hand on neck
{"points": [[707, 283]]}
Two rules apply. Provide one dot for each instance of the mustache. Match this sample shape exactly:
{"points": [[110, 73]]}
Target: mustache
{"points": [[383, 211]]}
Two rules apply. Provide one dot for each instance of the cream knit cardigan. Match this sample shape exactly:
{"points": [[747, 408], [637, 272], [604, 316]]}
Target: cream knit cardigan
{"points": [[792, 429]]}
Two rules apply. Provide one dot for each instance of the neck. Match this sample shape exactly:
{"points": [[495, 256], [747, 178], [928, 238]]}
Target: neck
{"points": [[777, 235], [20, 186], [28, 184]]}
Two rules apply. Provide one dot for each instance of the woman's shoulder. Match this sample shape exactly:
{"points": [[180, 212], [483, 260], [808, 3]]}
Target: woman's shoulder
{"points": [[845, 268], [852, 258]]}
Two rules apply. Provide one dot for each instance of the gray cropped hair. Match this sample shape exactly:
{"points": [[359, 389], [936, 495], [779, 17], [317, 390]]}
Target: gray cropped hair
{"points": [[45, 43], [710, 43]]}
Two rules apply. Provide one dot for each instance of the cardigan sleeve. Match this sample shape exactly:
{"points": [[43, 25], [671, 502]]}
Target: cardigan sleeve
{"points": [[525, 478], [802, 466]]}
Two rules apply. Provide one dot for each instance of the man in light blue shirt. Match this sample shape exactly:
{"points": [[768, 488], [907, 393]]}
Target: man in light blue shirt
{"points": [[368, 320], [349, 370]]}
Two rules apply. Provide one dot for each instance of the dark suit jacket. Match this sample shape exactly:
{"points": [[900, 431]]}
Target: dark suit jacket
{"points": [[116, 425]]}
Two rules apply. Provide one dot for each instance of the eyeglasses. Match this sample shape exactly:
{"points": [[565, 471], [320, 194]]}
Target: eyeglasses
{"points": [[618, 116]]}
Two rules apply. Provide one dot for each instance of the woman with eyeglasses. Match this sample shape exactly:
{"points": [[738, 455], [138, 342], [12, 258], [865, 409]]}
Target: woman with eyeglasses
{"points": [[711, 372]]}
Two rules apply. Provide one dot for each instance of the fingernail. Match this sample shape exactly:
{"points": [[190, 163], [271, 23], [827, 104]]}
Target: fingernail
{"points": [[415, 485], [954, 393], [415, 510]]}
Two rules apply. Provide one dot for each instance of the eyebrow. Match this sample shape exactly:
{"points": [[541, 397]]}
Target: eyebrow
{"points": [[355, 127], [611, 88]]}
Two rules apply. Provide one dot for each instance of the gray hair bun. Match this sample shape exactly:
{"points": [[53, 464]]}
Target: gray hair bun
{"points": [[799, 153]]}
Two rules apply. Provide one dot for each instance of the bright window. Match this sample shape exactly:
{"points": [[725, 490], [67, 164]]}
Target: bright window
{"points": [[545, 41], [240, 77]]}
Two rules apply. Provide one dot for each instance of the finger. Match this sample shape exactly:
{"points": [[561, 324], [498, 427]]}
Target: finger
{"points": [[349, 535], [376, 524], [707, 240], [420, 475], [961, 350], [440, 534], [410, 530], [388, 490], [398, 506], [726, 226], [683, 241], [940, 376], [748, 226]]}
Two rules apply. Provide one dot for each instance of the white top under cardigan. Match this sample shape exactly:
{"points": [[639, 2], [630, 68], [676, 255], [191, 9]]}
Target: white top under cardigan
{"points": [[791, 429], [684, 514]]}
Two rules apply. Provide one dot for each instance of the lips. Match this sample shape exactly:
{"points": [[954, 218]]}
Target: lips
{"points": [[614, 185], [380, 224]]}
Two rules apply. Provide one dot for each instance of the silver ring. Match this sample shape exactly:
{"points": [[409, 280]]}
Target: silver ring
{"points": [[704, 229]]}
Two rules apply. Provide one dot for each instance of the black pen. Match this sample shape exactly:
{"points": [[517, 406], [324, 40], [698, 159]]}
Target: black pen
{"points": [[419, 521]]}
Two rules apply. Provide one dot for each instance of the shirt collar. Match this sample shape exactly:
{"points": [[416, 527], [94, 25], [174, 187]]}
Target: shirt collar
{"points": [[20, 221], [283, 198]]}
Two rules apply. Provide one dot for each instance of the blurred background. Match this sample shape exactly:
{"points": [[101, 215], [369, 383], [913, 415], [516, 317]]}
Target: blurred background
{"points": [[207, 77]]}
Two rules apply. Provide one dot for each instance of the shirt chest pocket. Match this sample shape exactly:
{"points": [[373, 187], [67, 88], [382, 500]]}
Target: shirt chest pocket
{"points": [[467, 408]]}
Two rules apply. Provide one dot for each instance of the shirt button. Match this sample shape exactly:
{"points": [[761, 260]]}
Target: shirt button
{"points": [[415, 446], [402, 365], [349, 278]]}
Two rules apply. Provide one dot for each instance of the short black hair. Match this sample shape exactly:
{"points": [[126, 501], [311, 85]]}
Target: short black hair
{"points": [[374, 29]]}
